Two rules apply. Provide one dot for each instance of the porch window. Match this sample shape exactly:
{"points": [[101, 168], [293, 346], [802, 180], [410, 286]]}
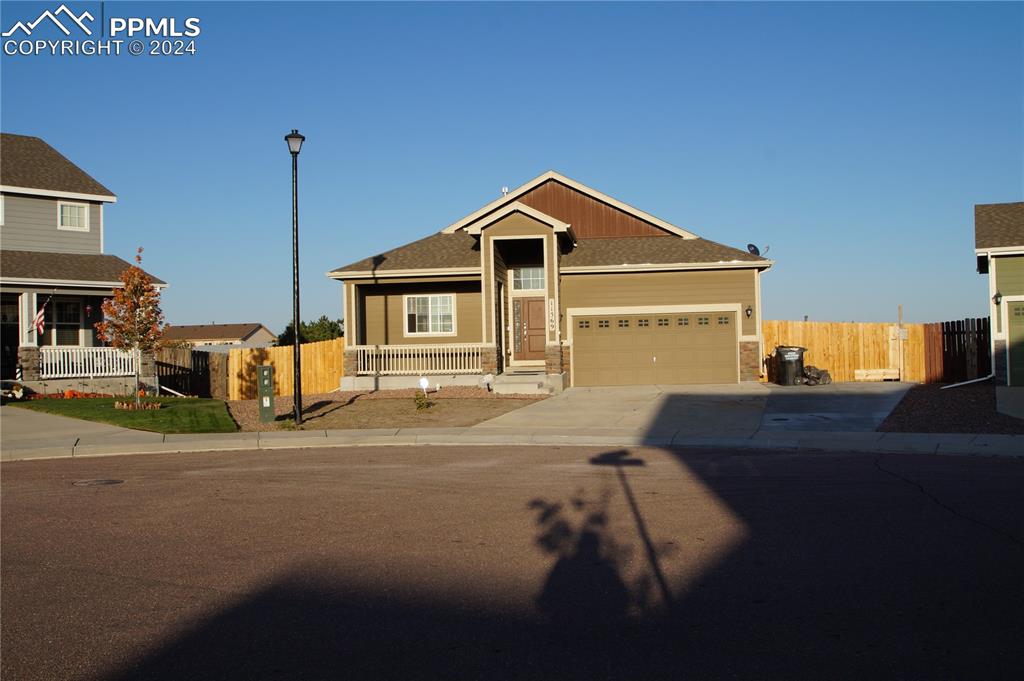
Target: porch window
{"points": [[528, 279], [434, 315], [74, 216], [63, 320]]}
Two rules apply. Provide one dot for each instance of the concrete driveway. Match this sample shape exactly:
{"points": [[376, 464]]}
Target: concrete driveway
{"points": [[709, 410]]}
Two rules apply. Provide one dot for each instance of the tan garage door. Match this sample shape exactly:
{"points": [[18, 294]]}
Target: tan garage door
{"points": [[661, 348]]}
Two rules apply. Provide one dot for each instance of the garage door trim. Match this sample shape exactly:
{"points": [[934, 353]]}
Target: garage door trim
{"points": [[648, 309]]}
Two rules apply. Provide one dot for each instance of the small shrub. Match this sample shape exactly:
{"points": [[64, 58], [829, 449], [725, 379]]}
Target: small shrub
{"points": [[422, 402]]}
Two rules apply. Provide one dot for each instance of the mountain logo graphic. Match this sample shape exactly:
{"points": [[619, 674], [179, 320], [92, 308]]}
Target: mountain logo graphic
{"points": [[78, 20]]}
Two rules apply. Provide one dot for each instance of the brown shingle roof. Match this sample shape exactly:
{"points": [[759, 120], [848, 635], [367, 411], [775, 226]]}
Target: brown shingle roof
{"points": [[640, 250], [212, 331], [460, 250], [999, 225], [63, 266], [435, 251], [30, 162]]}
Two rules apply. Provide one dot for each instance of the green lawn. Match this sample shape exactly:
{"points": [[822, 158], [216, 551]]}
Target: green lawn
{"points": [[178, 415]]}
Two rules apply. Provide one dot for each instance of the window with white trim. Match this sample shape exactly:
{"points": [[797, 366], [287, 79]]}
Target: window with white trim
{"points": [[430, 315], [63, 319], [528, 279], [73, 216]]}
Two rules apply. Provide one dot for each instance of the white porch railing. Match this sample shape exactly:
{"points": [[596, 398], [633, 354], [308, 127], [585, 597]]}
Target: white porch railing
{"points": [[69, 361], [416, 360]]}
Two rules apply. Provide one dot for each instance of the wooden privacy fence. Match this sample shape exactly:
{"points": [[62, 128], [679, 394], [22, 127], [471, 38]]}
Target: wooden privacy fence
{"points": [[945, 352], [959, 350], [193, 372], [322, 368]]}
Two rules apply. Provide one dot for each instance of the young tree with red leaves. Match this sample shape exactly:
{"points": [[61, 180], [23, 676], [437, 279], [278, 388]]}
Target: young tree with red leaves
{"points": [[133, 320]]}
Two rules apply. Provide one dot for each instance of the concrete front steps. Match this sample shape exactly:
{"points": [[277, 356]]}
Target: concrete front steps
{"points": [[525, 383]]}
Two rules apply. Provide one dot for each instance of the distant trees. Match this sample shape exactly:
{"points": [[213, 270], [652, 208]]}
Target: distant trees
{"points": [[311, 332]]}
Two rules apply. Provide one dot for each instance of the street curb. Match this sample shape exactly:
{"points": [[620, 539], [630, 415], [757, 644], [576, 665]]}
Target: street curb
{"points": [[795, 441]]}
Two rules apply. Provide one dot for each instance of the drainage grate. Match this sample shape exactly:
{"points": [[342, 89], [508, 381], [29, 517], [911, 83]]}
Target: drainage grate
{"points": [[96, 483]]}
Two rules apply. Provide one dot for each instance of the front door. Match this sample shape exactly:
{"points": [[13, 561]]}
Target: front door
{"points": [[528, 328]]}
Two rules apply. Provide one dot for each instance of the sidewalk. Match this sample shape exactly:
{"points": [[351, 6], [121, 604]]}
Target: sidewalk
{"points": [[55, 437]]}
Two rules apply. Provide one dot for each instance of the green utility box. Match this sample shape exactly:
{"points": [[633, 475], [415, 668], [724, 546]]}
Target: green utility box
{"points": [[265, 388]]}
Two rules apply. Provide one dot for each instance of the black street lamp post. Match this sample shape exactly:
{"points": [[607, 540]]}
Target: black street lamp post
{"points": [[295, 140]]}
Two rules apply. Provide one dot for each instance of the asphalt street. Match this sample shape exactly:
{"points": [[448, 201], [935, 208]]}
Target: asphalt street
{"points": [[512, 562]]}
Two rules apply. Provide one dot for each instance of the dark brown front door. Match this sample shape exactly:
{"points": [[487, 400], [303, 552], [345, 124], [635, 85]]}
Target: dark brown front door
{"points": [[530, 328]]}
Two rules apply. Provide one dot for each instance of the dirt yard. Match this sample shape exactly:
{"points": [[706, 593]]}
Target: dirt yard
{"points": [[450, 407], [967, 409]]}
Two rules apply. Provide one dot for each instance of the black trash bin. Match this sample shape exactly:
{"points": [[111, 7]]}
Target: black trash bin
{"points": [[789, 365]]}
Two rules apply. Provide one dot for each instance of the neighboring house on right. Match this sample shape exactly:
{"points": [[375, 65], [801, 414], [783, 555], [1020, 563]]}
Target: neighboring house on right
{"points": [[999, 246]]}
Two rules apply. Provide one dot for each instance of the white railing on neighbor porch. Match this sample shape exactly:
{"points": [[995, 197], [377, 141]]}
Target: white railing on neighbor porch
{"points": [[69, 361], [416, 360]]}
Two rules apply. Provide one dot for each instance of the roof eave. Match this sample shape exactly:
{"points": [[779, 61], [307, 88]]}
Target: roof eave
{"points": [[58, 194], [649, 267]]}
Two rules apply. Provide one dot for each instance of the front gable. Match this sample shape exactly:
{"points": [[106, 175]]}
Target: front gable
{"points": [[592, 214]]}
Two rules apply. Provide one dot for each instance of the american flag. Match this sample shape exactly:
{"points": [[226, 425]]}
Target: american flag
{"points": [[39, 321]]}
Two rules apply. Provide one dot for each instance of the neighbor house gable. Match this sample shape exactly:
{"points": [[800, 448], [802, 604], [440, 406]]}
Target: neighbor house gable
{"points": [[593, 213]]}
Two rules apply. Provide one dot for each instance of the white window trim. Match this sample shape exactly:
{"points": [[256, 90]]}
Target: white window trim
{"points": [[60, 226], [2, 210], [421, 334]]}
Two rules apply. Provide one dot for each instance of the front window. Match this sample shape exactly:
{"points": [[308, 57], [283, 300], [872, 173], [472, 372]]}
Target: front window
{"points": [[528, 279], [74, 216], [63, 320], [434, 315]]}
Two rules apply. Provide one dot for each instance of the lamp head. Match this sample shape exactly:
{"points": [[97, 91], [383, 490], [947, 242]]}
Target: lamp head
{"points": [[294, 140]]}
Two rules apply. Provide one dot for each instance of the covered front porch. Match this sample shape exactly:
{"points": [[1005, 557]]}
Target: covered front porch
{"points": [[67, 354]]}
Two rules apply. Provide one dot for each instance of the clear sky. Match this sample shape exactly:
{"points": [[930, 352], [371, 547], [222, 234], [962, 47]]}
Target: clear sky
{"points": [[853, 139]]}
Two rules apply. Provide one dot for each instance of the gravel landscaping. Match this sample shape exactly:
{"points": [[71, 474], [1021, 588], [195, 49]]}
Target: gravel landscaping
{"points": [[453, 406], [967, 409]]}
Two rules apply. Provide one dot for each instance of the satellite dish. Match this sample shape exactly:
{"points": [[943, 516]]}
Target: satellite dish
{"points": [[753, 250]]}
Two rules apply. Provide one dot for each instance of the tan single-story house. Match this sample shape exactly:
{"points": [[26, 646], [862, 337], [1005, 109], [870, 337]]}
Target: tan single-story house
{"points": [[560, 283], [999, 249], [250, 335]]}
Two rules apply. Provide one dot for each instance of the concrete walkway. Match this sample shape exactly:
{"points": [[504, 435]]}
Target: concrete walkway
{"points": [[30, 435]]}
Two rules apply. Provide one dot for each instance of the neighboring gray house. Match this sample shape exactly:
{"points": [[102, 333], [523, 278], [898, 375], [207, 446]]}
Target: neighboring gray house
{"points": [[51, 248]]}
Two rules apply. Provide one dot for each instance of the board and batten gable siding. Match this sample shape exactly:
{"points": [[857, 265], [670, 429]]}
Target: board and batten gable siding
{"points": [[382, 312], [31, 224], [701, 287], [590, 218], [517, 225]]}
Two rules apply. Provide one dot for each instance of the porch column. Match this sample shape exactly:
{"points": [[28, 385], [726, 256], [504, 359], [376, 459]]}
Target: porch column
{"points": [[26, 313], [28, 343]]}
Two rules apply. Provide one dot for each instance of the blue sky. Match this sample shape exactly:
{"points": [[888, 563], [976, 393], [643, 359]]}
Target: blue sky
{"points": [[854, 139]]}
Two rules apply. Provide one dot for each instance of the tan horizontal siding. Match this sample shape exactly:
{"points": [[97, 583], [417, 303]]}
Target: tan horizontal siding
{"points": [[705, 287], [383, 314], [1010, 275]]}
